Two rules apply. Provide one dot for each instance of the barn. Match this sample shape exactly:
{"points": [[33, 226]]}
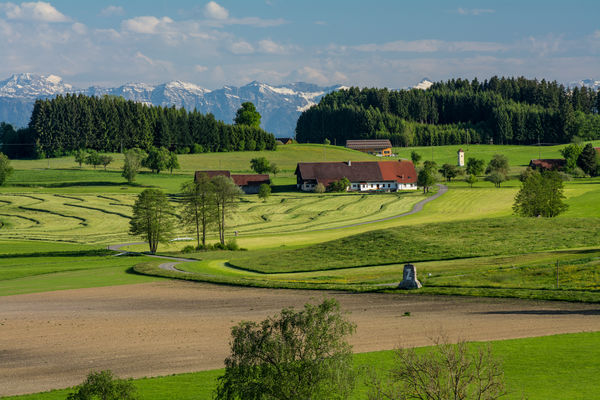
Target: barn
{"points": [[249, 183], [364, 176], [376, 147]]}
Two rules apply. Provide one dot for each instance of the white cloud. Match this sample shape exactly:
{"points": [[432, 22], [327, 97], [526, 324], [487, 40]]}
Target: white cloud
{"points": [[79, 28], [475, 11], [36, 11], [271, 47], [200, 68], [241, 47], [215, 11], [145, 24], [430, 46], [309, 74], [111, 11]]}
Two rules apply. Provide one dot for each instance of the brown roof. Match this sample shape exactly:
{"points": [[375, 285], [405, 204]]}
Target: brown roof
{"points": [[358, 171], [251, 180], [212, 174], [548, 163], [368, 144]]}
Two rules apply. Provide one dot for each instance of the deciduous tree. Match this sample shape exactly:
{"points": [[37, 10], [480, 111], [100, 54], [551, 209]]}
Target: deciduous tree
{"points": [[172, 162], [415, 157], [157, 159], [264, 191], [5, 169], [540, 195], [425, 179], [247, 115], [260, 165], [475, 166], [227, 194], [199, 206], [104, 385], [132, 163], [152, 218], [105, 159], [471, 180], [294, 355], [80, 157]]}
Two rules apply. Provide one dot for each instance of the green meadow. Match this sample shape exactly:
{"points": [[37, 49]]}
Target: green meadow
{"points": [[561, 367]]}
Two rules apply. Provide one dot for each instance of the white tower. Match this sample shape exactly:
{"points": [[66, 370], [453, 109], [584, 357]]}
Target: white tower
{"points": [[461, 158]]}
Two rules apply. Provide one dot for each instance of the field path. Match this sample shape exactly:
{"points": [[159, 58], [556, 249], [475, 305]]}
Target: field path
{"points": [[168, 266], [54, 339], [416, 208]]}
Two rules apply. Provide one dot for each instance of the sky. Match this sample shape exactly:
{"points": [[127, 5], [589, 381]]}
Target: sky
{"points": [[385, 43]]}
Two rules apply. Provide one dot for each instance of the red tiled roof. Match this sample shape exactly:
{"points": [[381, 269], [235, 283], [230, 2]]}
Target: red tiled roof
{"points": [[251, 180], [548, 163], [399, 171], [360, 171], [368, 144]]}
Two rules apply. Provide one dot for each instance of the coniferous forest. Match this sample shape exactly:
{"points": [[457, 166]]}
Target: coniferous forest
{"points": [[499, 111], [67, 123]]}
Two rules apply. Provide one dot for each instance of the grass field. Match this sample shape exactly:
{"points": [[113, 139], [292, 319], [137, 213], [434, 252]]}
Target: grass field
{"points": [[557, 367]]}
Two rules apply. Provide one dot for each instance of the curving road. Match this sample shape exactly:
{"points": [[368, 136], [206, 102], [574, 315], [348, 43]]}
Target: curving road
{"points": [[174, 261]]}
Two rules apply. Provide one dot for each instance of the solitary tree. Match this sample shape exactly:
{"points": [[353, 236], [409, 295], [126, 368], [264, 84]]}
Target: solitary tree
{"points": [[449, 171], [247, 115], [5, 169], [415, 157], [471, 180], [157, 159], [293, 355], [227, 194], [496, 177], [540, 195], [571, 154], [80, 157], [445, 371], [425, 179], [105, 160], [274, 169], [264, 191], [132, 163], [152, 218], [199, 206], [260, 165], [475, 166], [498, 163], [588, 160], [104, 385], [172, 162], [93, 158]]}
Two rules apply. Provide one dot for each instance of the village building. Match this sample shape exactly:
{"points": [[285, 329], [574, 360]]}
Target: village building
{"points": [[548, 164], [379, 147], [364, 176], [249, 183], [284, 140], [461, 158]]}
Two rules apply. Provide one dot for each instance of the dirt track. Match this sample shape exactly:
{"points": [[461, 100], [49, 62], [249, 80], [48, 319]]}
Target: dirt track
{"points": [[52, 340]]}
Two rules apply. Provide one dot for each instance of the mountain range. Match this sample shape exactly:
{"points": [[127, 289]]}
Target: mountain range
{"points": [[279, 106]]}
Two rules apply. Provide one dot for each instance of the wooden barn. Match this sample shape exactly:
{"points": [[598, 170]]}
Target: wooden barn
{"points": [[378, 147], [249, 183], [364, 176], [548, 164]]}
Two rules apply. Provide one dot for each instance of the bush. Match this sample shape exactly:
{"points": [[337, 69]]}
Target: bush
{"points": [[232, 245], [197, 149], [183, 150], [188, 249], [320, 188], [104, 385]]}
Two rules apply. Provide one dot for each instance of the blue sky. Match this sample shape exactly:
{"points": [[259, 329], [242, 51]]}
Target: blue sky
{"points": [[362, 43]]}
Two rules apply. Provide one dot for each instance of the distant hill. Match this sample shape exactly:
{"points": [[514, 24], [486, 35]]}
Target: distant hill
{"points": [[279, 106]]}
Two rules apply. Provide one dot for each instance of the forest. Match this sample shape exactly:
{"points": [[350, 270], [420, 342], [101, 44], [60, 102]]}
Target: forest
{"points": [[459, 111], [67, 123]]}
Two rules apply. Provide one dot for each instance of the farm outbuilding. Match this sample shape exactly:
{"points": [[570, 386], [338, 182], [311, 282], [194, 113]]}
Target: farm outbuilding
{"points": [[249, 183], [377, 147], [364, 176], [548, 164]]}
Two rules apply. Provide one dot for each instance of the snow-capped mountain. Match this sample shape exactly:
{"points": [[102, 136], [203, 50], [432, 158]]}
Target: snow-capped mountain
{"points": [[279, 106], [423, 85], [589, 83]]}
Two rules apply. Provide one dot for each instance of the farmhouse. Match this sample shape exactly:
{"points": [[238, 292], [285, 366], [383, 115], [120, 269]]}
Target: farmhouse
{"points": [[548, 164], [249, 183], [382, 148], [284, 140], [364, 176]]}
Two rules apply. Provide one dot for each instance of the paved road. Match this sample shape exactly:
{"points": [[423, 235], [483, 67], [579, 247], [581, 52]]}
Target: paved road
{"points": [[171, 266]]}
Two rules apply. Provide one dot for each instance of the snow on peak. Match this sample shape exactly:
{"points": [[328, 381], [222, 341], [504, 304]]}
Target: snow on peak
{"points": [[423, 85]]}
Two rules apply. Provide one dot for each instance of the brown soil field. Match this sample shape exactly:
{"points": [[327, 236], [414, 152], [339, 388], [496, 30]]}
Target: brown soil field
{"points": [[53, 339]]}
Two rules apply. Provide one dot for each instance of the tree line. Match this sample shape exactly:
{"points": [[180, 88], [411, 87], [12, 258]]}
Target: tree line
{"points": [[501, 110], [64, 124]]}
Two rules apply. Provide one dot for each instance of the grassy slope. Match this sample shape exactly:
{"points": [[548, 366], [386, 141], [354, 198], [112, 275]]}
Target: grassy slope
{"points": [[558, 367], [500, 236]]}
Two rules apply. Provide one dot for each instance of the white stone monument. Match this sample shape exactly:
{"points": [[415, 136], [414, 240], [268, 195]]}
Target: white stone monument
{"points": [[409, 278]]}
